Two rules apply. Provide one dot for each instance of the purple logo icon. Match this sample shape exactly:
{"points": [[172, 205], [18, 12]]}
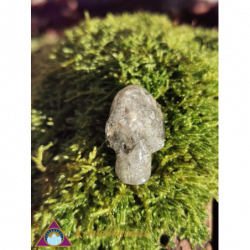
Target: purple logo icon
{"points": [[53, 236]]}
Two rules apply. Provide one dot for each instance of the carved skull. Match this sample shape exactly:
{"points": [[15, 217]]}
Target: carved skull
{"points": [[135, 130]]}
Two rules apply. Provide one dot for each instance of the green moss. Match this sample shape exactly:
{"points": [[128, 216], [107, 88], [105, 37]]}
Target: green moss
{"points": [[178, 65]]}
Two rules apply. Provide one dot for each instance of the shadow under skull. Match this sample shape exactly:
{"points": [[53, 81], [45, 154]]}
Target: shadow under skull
{"points": [[135, 130]]}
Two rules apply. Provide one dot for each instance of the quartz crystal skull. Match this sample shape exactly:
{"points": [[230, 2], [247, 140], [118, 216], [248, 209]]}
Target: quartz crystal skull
{"points": [[135, 130]]}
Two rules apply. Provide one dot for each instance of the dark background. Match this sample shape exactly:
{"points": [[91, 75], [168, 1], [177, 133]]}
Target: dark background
{"points": [[53, 16], [215, 233]]}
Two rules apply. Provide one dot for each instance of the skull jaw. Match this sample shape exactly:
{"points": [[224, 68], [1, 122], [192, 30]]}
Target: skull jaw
{"points": [[134, 168]]}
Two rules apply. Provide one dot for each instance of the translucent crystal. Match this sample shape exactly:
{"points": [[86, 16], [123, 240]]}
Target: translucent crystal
{"points": [[135, 130]]}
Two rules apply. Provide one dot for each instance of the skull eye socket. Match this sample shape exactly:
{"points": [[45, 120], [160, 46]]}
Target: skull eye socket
{"points": [[107, 141], [126, 148]]}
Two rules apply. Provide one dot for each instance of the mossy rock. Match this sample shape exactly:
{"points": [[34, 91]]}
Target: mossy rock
{"points": [[73, 178]]}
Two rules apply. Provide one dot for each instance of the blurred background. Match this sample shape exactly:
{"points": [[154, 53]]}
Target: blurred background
{"points": [[53, 16], [49, 19]]}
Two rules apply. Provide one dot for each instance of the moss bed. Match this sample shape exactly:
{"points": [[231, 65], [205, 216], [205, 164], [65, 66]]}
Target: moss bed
{"points": [[73, 177]]}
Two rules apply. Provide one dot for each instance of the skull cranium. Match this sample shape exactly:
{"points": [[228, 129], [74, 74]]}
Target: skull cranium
{"points": [[135, 130]]}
